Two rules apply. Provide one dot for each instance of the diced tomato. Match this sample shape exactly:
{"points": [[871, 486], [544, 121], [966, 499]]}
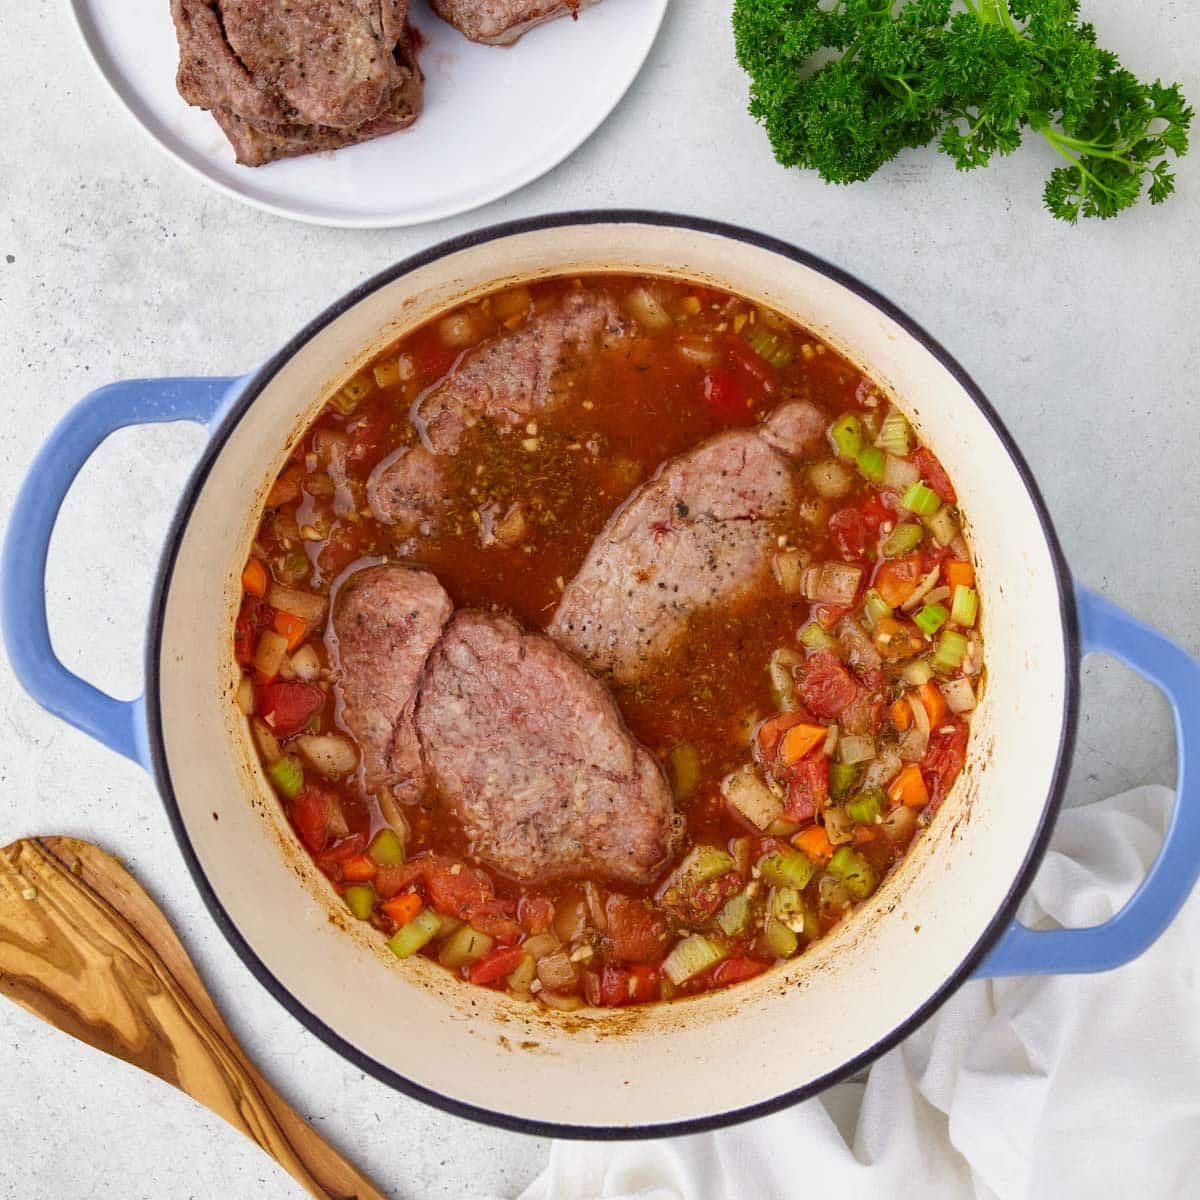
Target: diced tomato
{"points": [[725, 394], [848, 532], [935, 475], [535, 913], [736, 969], [827, 686], [458, 890], [808, 788], [626, 985], [252, 618], [496, 964], [310, 818], [944, 759], [856, 716], [389, 881], [614, 987], [286, 488], [333, 860], [635, 931], [643, 982], [897, 579], [763, 375], [287, 706]]}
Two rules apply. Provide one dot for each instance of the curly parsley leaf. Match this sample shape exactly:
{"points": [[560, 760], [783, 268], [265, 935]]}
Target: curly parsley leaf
{"points": [[843, 89]]}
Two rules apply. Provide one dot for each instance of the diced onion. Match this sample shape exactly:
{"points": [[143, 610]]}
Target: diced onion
{"points": [[854, 748], [833, 583], [556, 970], [331, 755], [266, 741], [245, 695], [595, 904], [927, 584], [458, 329], [269, 653], [542, 944], [882, 768], [306, 663], [920, 715], [830, 479], [788, 568], [960, 695], [564, 1003], [917, 672], [646, 310], [899, 473], [900, 823], [698, 350], [306, 605]]}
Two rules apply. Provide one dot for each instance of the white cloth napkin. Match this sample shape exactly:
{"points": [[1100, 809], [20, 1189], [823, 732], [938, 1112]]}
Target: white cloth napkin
{"points": [[1058, 1087]]}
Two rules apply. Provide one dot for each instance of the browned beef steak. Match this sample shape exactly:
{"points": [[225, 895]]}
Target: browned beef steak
{"points": [[796, 428], [510, 377], [501, 22], [286, 79], [386, 620], [698, 534], [507, 379], [531, 753]]}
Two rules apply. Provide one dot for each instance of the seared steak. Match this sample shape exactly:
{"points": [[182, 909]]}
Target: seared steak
{"points": [[285, 79], [530, 752], [796, 428], [699, 533], [501, 22], [386, 620], [508, 379]]}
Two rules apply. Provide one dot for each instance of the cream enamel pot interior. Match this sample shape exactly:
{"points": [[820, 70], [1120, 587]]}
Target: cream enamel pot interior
{"points": [[632, 1072]]}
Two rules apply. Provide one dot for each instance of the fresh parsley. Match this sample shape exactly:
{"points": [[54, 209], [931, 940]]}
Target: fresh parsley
{"points": [[843, 88]]}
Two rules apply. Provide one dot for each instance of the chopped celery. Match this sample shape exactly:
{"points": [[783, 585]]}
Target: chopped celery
{"points": [[894, 435], [524, 975], [875, 607], [853, 872], [943, 526], [683, 766], [690, 956], [931, 618], [867, 807], [463, 947], [287, 775], [846, 433], [905, 538], [408, 939], [778, 941], [917, 672], [871, 463], [842, 777], [700, 865], [387, 849], [774, 347], [734, 915], [360, 900], [813, 637], [950, 650], [787, 905], [964, 606], [786, 868], [922, 500]]}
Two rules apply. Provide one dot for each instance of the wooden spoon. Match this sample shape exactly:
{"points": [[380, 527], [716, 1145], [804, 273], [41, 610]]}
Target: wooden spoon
{"points": [[84, 947]]}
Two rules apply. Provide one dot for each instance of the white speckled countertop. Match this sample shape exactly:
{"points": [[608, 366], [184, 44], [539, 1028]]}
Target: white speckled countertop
{"points": [[114, 263]]}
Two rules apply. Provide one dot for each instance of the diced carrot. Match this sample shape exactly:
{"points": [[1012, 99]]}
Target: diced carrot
{"points": [[402, 908], [362, 868], [909, 788], [902, 714], [934, 701], [895, 581], [799, 741], [864, 834], [773, 728], [814, 842], [293, 628], [958, 574], [254, 578]]}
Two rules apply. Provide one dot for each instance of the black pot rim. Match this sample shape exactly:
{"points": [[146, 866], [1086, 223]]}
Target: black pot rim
{"points": [[1004, 914]]}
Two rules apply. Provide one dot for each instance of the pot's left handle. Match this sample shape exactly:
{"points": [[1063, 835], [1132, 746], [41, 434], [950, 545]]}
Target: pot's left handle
{"points": [[119, 724]]}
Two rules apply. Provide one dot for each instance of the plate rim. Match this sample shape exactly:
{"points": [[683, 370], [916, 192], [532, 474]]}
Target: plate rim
{"points": [[129, 104]]}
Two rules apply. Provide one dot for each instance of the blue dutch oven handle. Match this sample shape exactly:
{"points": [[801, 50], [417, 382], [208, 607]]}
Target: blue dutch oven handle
{"points": [[1105, 629], [119, 724]]}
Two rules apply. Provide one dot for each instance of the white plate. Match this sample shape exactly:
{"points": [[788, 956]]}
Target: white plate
{"points": [[495, 117]]}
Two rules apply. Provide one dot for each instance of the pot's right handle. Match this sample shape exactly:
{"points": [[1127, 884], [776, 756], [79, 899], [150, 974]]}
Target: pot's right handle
{"points": [[119, 724], [1104, 628]]}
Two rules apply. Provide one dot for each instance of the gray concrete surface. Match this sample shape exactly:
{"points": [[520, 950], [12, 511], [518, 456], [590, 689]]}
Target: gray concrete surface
{"points": [[114, 263]]}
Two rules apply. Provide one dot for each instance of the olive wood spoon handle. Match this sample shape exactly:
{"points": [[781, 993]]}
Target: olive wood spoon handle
{"points": [[84, 947]]}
